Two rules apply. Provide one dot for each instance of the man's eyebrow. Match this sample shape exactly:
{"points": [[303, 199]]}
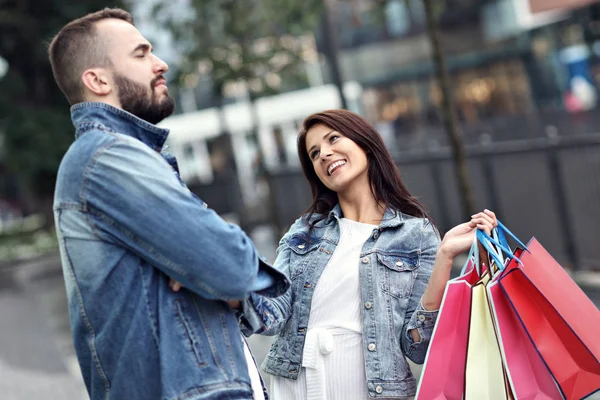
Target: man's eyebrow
{"points": [[145, 47]]}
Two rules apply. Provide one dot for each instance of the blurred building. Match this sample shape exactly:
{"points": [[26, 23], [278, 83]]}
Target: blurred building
{"points": [[518, 69], [507, 59]]}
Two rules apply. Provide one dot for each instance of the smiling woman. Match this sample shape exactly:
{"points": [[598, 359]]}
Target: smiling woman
{"points": [[368, 272]]}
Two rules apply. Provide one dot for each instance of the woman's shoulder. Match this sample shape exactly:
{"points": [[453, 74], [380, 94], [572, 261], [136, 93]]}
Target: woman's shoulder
{"points": [[304, 222], [419, 224]]}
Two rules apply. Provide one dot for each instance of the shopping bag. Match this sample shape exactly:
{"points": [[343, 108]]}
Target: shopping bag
{"points": [[561, 321], [484, 375], [443, 375], [527, 375]]}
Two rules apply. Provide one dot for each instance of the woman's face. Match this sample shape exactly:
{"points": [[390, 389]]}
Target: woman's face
{"points": [[338, 161]]}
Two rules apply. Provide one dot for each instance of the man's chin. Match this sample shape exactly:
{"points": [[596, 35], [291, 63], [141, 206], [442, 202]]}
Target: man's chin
{"points": [[167, 107]]}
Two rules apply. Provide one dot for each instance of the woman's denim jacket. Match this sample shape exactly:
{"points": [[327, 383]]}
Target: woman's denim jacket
{"points": [[395, 265]]}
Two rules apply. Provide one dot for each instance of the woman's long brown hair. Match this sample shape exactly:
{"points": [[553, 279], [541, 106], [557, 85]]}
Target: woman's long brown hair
{"points": [[386, 184]]}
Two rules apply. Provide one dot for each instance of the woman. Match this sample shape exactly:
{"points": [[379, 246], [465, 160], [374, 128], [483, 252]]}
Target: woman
{"points": [[368, 272]]}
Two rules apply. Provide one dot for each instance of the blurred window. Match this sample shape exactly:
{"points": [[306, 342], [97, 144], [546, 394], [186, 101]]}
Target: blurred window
{"points": [[397, 17], [188, 152]]}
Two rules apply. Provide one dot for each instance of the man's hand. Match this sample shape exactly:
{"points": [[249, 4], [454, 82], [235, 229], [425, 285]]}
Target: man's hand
{"points": [[235, 304], [175, 286]]}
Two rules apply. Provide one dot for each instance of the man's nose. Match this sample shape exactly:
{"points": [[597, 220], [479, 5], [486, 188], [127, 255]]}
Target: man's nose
{"points": [[160, 66]]}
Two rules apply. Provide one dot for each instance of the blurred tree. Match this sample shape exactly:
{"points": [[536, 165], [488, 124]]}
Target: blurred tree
{"points": [[250, 46], [34, 114], [448, 110], [249, 49]]}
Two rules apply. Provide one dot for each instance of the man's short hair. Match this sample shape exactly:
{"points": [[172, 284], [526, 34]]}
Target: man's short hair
{"points": [[77, 47]]}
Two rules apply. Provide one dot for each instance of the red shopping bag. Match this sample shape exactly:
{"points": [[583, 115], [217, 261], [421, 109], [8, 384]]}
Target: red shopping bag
{"points": [[560, 319], [528, 376], [443, 375]]}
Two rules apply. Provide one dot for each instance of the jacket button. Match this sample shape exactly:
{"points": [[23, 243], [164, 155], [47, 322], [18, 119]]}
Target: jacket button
{"points": [[365, 260], [301, 246], [421, 318], [368, 305], [376, 235], [371, 347], [399, 263], [379, 389]]}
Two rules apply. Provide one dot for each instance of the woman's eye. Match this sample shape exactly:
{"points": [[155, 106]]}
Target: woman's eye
{"points": [[314, 154], [333, 138]]}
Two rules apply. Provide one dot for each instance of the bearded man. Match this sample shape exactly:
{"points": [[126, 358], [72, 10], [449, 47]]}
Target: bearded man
{"points": [[128, 227]]}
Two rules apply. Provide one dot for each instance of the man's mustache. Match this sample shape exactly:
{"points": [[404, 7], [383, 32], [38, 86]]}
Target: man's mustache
{"points": [[153, 82]]}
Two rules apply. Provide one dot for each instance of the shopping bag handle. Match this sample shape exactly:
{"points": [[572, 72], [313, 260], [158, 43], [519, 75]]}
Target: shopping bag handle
{"points": [[502, 229], [473, 253], [498, 237], [485, 240]]}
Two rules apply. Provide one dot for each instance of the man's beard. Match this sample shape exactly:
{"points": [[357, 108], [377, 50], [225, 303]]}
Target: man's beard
{"points": [[134, 99]]}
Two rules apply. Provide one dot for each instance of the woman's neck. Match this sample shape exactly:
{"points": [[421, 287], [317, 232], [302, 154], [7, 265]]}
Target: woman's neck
{"points": [[361, 207]]}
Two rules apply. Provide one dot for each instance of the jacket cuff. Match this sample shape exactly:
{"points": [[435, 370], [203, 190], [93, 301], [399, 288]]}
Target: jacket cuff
{"points": [[269, 281], [423, 321], [256, 315]]}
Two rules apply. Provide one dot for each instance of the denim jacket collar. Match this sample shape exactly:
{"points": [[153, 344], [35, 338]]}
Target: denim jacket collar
{"points": [[117, 120], [391, 217]]}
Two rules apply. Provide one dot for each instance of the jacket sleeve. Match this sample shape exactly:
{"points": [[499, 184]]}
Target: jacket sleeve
{"points": [[268, 316], [416, 316], [135, 199]]}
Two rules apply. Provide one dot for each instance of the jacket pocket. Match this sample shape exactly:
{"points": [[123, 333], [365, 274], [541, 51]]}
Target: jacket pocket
{"points": [[301, 248], [191, 340], [398, 273]]}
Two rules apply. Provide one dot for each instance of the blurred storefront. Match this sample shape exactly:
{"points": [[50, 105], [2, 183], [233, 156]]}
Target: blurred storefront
{"points": [[506, 59], [545, 5]]}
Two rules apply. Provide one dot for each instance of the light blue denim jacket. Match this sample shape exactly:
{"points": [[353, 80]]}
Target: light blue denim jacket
{"points": [[395, 266], [126, 223]]}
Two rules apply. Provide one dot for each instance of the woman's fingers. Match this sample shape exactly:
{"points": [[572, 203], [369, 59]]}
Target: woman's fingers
{"points": [[492, 216], [484, 221], [487, 216]]}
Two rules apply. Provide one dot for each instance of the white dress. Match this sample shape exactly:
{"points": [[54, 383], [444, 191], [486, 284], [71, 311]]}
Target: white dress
{"points": [[333, 366]]}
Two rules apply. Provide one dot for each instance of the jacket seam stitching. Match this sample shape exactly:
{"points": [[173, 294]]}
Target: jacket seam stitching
{"points": [[209, 337], [228, 343], [87, 322], [153, 326]]}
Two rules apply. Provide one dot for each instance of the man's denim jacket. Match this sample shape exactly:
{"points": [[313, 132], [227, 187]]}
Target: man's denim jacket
{"points": [[126, 223], [395, 266]]}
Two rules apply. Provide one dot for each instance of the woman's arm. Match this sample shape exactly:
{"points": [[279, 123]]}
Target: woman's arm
{"points": [[433, 273], [456, 241], [264, 315]]}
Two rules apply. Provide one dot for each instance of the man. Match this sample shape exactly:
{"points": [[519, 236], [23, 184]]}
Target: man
{"points": [[127, 225]]}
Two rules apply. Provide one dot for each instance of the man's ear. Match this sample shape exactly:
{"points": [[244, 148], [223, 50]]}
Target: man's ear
{"points": [[97, 81]]}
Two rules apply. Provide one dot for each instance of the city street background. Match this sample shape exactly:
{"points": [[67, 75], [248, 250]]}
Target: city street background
{"points": [[482, 103]]}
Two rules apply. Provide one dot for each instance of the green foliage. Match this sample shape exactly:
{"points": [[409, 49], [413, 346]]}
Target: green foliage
{"points": [[247, 41], [34, 115], [26, 238]]}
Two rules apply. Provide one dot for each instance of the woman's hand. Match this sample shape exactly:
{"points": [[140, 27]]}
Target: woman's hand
{"points": [[460, 238]]}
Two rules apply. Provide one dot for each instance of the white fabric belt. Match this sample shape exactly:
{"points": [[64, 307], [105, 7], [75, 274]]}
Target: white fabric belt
{"points": [[319, 342]]}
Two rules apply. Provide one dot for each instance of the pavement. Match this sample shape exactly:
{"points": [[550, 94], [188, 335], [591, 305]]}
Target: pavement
{"points": [[36, 353], [37, 359]]}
